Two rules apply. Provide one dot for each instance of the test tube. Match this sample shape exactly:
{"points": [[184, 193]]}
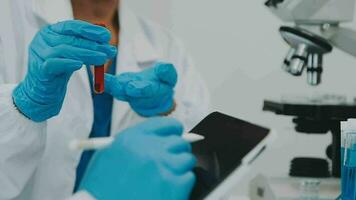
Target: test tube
{"points": [[349, 163], [343, 127], [99, 71]]}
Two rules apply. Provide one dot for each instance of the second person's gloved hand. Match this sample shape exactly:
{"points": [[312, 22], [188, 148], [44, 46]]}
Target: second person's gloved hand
{"points": [[150, 92], [148, 161], [54, 54]]}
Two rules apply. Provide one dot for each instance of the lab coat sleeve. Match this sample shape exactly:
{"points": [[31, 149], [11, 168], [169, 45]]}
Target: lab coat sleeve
{"points": [[22, 144], [191, 93]]}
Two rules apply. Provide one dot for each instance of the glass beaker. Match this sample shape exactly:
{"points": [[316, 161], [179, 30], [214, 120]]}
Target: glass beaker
{"points": [[349, 167]]}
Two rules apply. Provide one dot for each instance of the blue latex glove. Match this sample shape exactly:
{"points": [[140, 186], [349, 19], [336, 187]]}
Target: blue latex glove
{"points": [[149, 93], [148, 161], [54, 54]]}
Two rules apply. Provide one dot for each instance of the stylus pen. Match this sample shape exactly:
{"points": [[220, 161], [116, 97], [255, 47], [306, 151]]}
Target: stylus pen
{"points": [[99, 143]]}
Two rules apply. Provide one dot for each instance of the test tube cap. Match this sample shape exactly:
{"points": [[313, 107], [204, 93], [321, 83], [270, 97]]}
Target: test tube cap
{"points": [[343, 125], [343, 129], [350, 126]]}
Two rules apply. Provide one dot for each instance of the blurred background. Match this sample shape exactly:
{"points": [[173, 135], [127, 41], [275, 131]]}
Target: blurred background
{"points": [[238, 50]]}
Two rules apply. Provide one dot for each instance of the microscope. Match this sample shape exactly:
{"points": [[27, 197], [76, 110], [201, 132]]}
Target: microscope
{"points": [[316, 29]]}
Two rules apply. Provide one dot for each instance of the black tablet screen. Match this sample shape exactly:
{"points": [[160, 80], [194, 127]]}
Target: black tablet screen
{"points": [[227, 141]]}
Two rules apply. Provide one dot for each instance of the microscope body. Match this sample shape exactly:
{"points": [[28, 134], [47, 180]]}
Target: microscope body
{"points": [[316, 30], [313, 11]]}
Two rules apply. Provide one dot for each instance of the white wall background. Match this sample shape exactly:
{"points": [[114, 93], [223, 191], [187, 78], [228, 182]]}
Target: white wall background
{"points": [[237, 48]]}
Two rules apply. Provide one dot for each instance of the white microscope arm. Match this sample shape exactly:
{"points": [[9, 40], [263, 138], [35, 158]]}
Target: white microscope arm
{"points": [[342, 38]]}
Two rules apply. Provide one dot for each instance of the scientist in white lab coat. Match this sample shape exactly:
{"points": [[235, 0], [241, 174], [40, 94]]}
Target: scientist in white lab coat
{"points": [[47, 100]]}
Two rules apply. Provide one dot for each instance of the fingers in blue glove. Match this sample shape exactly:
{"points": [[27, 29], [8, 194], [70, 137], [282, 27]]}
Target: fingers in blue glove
{"points": [[152, 82], [147, 89], [70, 52], [163, 72], [82, 29], [148, 107], [181, 163], [180, 146], [188, 180], [54, 39], [115, 87], [58, 66], [166, 73], [150, 92]]}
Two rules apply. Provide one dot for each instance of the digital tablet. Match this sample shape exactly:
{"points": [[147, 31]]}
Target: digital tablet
{"points": [[230, 144]]}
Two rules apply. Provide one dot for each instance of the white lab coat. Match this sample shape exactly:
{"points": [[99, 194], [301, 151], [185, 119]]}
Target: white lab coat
{"points": [[35, 162]]}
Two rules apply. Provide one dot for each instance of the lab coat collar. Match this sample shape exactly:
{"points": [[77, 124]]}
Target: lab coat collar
{"points": [[53, 11], [133, 31]]}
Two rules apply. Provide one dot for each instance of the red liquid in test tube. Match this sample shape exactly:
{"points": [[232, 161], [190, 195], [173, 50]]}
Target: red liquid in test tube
{"points": [[99, 71]]}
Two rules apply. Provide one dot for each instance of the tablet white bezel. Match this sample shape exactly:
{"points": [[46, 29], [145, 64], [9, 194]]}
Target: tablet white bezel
{"points": [[222, 190]]}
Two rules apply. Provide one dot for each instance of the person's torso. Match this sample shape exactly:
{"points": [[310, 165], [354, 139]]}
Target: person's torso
{"points": [[56, 173]]}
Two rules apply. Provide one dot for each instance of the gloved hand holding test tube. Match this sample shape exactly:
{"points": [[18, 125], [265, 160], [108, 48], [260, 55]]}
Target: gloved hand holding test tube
{"points": [[99, 143]]}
